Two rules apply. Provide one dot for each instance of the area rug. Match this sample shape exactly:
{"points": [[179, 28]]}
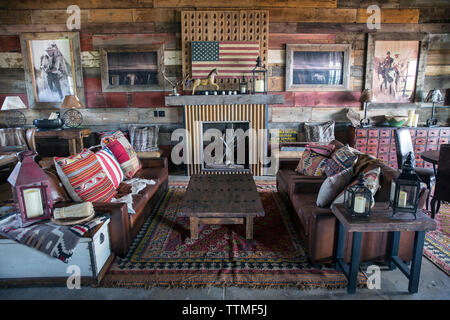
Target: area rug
{"points": [[437, 242], [164, 255]]}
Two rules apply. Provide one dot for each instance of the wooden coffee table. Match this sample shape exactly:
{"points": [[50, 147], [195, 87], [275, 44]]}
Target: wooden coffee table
{"points": [[221, 199]]}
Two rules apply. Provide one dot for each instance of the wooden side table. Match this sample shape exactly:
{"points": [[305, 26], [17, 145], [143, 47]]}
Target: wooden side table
{"points": [[381, 220], [73, 136]]}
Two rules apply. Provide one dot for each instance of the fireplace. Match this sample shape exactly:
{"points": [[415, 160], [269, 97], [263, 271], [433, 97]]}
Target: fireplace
{"points": [[226, 146]]}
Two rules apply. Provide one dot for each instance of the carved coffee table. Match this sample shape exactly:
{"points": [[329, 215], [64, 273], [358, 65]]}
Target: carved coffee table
{"points": [[221, 199]]}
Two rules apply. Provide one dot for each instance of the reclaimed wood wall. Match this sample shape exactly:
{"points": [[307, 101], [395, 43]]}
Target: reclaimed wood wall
{"points": [[159, 21]]}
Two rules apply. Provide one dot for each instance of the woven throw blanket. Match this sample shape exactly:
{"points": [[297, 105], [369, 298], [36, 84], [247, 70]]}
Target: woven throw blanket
{"points": [[55, 240], [136, 185]]}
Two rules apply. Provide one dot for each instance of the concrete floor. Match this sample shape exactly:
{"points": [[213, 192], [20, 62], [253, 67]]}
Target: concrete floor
{"points": [[434, 285]]}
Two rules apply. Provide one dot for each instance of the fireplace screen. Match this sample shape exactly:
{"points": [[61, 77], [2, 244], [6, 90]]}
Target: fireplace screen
{"points": [[225, 146]]}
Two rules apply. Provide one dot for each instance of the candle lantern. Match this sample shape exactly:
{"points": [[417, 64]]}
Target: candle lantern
{"points": [[31, 190], [259, 78], [243, 87], [358, 199], [405, 189]]}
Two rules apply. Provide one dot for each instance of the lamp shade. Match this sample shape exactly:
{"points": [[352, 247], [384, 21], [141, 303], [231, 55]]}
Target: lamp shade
{"points": [[13, 103], [366, 96], [434, 95], [71, 102]]}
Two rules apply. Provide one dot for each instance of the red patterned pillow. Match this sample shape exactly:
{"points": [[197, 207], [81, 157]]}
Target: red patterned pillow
{"points": [[312, 164], [110, 165], [84, 177], [323, 150], [123, 152]]}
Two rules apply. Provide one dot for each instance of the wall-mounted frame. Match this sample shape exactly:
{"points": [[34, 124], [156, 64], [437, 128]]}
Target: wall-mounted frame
{"points": [[129, 68], [52, 64], [395, 69], [318, 67]]}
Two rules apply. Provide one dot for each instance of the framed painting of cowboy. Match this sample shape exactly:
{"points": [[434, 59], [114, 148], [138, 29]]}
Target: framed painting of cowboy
{"points": [[396, 68], [128, 68], [52, 64]]}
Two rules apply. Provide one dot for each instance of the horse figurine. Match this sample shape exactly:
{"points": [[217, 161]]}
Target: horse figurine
{"points": [[204, 81]]}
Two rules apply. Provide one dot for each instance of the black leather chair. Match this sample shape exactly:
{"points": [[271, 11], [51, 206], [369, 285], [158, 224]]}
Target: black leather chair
{"points": [[404, 146], [442, 187]]}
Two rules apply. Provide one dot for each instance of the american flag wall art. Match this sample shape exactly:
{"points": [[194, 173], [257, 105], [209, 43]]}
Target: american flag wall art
{"points": [[233, 59]]}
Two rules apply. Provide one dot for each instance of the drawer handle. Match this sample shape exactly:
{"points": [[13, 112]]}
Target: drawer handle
{"points": [[102, 238]]}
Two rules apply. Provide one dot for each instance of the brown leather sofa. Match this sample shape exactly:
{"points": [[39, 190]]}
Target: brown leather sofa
{"points": [[123, 226], [318, 226]]}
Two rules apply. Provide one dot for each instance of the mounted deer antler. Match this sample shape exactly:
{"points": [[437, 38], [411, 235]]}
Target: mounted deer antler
{"points": [[174, 85]]}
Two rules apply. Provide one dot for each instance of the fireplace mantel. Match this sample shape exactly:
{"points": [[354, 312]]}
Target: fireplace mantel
{"points": [[188, 100]]}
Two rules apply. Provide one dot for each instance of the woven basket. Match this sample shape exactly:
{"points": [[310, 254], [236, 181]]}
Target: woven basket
{"points": [[322, 133]]}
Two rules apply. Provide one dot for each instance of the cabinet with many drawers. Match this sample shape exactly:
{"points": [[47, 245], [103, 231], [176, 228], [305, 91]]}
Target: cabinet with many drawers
{"points": [[380, 142]]}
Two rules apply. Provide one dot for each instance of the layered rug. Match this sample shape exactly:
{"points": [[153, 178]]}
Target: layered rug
{"points": [[164, 255], [437, 242]]}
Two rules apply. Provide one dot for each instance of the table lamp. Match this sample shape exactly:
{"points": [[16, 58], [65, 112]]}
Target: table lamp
{"points": [[433, 96], [14, 117], [366, 97], [72, 118]]}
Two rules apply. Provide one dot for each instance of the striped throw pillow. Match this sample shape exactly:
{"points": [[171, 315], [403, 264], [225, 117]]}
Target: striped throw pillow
{"points": [[84, 178], [110, 165]]}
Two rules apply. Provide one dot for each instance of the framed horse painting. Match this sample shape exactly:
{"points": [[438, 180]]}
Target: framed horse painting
{"points": [[52, 64], [396, 68]]}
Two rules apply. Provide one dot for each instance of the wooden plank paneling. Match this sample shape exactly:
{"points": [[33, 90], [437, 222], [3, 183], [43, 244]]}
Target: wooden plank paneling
{"points": [[279, 40], [83, 4], [170, 40], [156, 15], [110, 15], [391, 16], [55, 16], [254, 4], [434, 15], [9, 44], [15, 17], [438, 57], [313, 15], [12, 81], [11, 60], [437, 70]]}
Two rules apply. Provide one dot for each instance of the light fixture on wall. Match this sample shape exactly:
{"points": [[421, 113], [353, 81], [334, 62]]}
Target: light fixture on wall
{"points": [[366, 97], [14, 117], [72, 118], [433, 96], [259, 78]]}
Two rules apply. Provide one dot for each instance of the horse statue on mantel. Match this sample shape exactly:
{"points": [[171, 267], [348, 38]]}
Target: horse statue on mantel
{"points": [[204, 81]]}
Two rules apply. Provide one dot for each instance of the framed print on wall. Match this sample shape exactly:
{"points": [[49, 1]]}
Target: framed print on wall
{"points": [[52, 64], [132, 68], [321, 67], [395, 70]]}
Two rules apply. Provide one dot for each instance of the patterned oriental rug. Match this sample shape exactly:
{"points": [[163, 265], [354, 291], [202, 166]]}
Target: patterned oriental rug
{"points": [[164, 255], [437, 242]]}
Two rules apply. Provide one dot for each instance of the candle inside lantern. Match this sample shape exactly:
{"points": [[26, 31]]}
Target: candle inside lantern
{"points": [[411, 114], [402, 197], [416, 120], [392, 191], [33, 202], [259, 86], [360, 204]]}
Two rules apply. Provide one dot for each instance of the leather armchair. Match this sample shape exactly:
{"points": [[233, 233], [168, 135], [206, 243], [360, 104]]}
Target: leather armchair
{"points": [[442, 187]]}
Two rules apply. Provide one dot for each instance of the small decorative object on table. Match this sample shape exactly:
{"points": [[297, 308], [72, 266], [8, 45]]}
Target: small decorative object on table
{"points": [[204, 81], [433, 96], [405, 189], [366, 97], [74, 214], [31, 190], [72, 118], [54, 122], [176, 84], [14, 118], [259, 78], [396, 121], [358, 199]]}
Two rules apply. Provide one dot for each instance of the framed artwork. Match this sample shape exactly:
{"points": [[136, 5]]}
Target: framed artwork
{"points": [[396, 67], [322, 67], [52, 64], [132, 68]]}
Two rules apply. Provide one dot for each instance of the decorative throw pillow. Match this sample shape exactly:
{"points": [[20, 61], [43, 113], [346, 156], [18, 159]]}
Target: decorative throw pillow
{"points": [[371, 181], [341, 159], [332, 186], [110, 166], [312, 164], [323, 150], [123, 152], [84, 178]]}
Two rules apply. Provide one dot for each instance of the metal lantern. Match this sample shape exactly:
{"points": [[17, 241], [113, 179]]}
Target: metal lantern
{"points": [[405, 189], [243, 86], [358, 199], [31, 190], [259, 78]]}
